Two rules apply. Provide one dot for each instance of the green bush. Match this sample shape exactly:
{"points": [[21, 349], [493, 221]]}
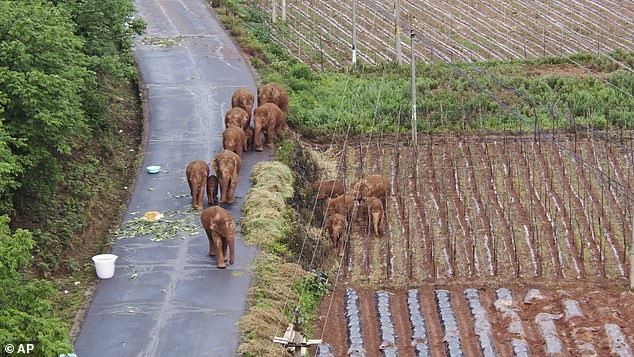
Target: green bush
{"points": [[26, 314]]}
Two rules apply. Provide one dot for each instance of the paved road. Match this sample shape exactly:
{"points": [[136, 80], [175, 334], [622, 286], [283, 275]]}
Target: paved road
{"points": [[178, 303]]}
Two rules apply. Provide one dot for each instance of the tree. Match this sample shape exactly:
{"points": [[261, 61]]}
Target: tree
{"points": [[25, 312], [42, 76]]}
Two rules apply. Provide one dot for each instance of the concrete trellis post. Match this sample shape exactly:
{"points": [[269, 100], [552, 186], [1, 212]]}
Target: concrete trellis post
{"points": [[354, 32], [414, 121], [397, 33]]}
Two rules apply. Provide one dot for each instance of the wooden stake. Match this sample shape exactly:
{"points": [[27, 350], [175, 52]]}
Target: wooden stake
{"points": [[632, 250]]}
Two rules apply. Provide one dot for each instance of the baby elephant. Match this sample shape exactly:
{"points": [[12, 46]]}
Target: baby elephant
{"points": [[197, 172], [376, 214], [336, 225], [327, 189], [249, 135], [212, 189], [220, 227]]}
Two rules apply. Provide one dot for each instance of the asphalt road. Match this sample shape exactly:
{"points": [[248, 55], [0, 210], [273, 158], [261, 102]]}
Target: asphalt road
{"points": [[167, 298]]}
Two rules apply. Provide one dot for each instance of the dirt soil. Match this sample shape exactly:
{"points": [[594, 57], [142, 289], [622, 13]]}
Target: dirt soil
{"points": [[487, 213]]}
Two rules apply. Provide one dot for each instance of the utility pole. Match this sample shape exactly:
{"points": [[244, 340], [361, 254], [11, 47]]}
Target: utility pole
{"points": [[354, 32], [283, 11], [397, 32], [273, 11], [414, 126]]}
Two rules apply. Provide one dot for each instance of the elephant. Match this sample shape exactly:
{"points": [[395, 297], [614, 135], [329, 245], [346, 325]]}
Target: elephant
{"points": [[372, 186], [273, 93], [237, 117], [328, 189], [243, 98], [220, 227], [268, 118], [249, 134], [212, 189], [197, 172], [227, 167], [336, 225], [376, 213], [343, 204], [233, 139]]}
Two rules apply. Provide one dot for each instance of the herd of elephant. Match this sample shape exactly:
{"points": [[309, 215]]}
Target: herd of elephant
{"points": [[369, 193], [238, 137]]}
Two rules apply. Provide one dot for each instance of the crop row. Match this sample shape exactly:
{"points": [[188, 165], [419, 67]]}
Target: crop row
{"points": [[453, 30], [507, 207], [490, 322]]}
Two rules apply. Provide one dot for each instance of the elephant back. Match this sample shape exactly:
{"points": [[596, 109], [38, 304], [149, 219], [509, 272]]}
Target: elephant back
{"points": [[238, 117], [273, 93], [271, 114], [226, 158], [197, 168], [243, 98]]}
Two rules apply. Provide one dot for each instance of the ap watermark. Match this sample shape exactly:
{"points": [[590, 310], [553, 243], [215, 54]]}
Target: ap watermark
{"points": [[17, 349]]}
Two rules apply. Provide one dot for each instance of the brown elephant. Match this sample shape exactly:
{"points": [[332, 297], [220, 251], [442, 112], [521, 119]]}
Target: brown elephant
{"points": [[197, 172], [220, 227], [268, 119], [227, 167], [273, 93], [328, 189], [243, 98], [376, 213], [233, 139], [343, 204], [237, 117], [372, 186], [212, 189], [336, 225], [249, 134]]}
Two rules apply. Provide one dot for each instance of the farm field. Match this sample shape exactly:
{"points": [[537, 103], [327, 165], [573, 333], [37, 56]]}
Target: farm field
{"points": [[320, 32], [491, 212]]}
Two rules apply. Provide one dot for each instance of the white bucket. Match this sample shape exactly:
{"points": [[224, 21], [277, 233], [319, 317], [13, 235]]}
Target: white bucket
{"points": [[104, 264]]}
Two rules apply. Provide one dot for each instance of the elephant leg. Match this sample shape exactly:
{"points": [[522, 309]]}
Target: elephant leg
{"points": [[210, 199], [269, 137], [232, 190], [199, 198], [231, 251], [225, 245], [224, 186], [221, 253], [212, 245], [258, 138], [239, 148], [192, 193], [340, 246]]}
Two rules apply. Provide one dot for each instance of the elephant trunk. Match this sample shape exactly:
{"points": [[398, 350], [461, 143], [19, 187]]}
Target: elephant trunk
{"points": [[258, 137], [376, 216], [220, 252]]}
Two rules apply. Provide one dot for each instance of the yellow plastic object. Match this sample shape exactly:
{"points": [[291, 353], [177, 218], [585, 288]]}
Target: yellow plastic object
{"points": [[152, 216]]}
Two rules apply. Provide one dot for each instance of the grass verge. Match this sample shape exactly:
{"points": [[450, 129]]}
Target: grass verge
{"points": [[279, 285]]}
